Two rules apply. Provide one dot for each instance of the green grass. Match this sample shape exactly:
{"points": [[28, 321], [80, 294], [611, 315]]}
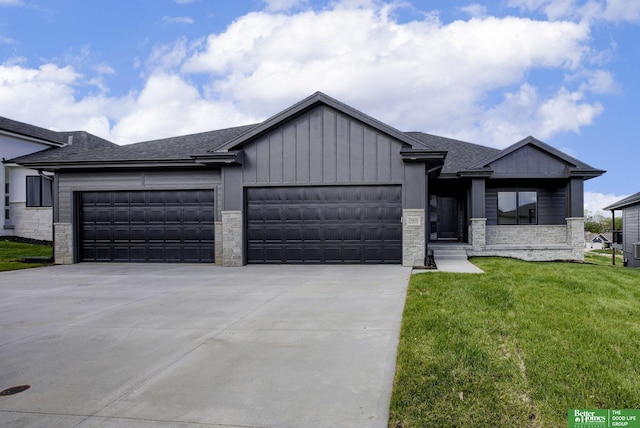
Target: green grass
{"points": [[602, 257], [12, 252], [517, 346]]}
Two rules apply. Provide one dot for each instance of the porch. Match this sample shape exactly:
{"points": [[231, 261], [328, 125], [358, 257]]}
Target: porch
{"points": [[528, 242]]}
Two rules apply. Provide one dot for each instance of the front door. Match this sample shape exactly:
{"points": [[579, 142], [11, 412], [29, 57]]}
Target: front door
{"points": [[447, 218]]}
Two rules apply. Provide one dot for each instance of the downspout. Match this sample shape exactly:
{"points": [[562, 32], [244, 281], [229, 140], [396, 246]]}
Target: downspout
{"points": [[613, 228], [426, 218]]}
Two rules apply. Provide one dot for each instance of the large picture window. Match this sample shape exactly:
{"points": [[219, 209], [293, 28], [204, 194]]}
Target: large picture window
{"points": [[517, 208], [39, 191]]}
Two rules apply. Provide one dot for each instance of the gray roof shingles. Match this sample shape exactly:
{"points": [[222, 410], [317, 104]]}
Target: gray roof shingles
{"points": [[83, 144], [182, 147], [32, 131], [95, 149], [626, 202], [89, 148], [460, 155]]}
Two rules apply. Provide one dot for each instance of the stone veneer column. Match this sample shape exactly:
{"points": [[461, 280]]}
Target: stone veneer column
{"points": [[413, 239], [63, 243], [218, 242], [478, 233], [232, 238], [575, 236]]}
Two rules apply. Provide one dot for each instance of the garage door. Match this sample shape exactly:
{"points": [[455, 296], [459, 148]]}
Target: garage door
{"points": [[147, 226], [337, 224]]}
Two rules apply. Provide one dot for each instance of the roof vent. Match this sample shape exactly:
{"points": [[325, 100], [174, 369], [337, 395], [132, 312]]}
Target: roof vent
{"points": [[69, 140]]}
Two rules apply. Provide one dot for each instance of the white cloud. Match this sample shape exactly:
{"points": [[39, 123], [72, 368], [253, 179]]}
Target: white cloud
{"points": [[566, 112], [419, 75], [169, 106], [15, 60], [104, 68], [284, 5], [595, 202], [622, 10], [11, 2], [184, 1], [422, 75], [177, 20], [589, 10], [7, 40], [45, 97], [168, 56], [554, 9], [525, 112], [598, 82], [475, 10]]}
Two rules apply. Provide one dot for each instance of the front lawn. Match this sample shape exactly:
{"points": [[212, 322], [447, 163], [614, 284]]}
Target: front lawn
{"points": [[12, 252], [602, 257], [517, 346]]}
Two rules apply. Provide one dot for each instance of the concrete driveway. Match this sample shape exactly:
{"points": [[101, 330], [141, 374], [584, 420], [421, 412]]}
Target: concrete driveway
{"points": [[106, 345]]}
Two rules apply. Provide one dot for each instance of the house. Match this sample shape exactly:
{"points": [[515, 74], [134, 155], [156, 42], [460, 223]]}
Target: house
{"points": [[630, 208], [319, 182], [26, 194], [598, 241]]}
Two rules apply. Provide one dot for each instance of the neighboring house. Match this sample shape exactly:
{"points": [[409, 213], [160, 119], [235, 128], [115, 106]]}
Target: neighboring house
{"points": [[26, 195], [598, 241], [630, 208], [319, 182]]}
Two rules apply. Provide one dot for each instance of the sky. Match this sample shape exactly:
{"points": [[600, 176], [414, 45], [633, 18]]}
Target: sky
{"points": [[491, 73]]}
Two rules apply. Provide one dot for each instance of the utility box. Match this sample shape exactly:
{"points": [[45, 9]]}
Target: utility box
{"points": [[636, 250]]}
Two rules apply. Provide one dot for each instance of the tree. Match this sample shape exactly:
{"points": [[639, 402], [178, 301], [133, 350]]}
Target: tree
{"points": [[593, 222], [597, 223]]}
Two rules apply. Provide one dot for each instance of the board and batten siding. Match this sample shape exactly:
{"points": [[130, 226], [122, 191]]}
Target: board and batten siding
{"points": [[70, 182], [631, 233], [552, 201], [323, 146], [528, 162]]}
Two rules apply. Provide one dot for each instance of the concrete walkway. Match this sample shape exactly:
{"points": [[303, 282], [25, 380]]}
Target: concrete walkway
{"points": [[114, 345], [457, 266], [451, 257]]}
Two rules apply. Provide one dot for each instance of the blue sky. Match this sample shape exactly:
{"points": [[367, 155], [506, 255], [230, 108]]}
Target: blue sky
{"points": [[492, 73]]}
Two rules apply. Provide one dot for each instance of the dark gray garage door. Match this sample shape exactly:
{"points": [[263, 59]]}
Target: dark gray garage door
{"points": [[147, 226], [336, 224]]}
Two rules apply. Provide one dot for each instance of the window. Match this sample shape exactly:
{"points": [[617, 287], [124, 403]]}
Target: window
{"points": [[39, 191], [6, 201], [517, 208]]}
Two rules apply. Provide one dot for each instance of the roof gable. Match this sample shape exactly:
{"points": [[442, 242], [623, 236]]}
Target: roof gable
{"points": [[323, 145], [528, 161], [311, 103], [598, 237], [531, 158]]}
